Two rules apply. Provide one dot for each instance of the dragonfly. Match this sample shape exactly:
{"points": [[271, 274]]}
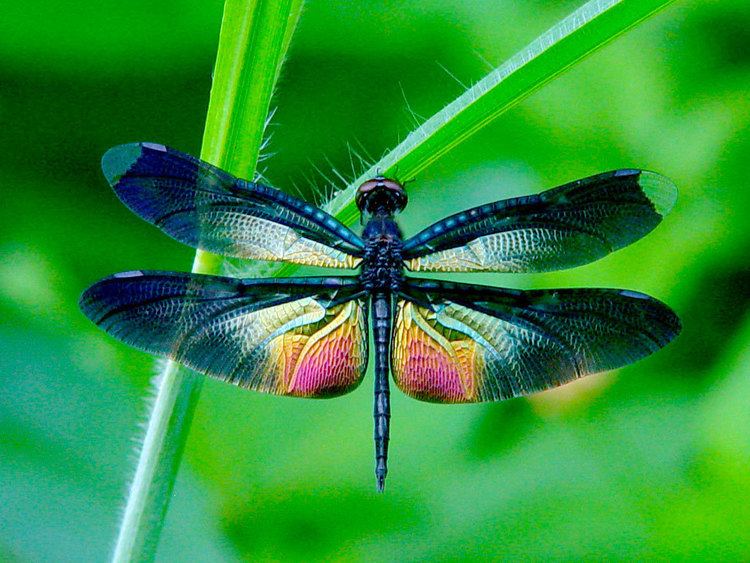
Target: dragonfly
{"points": [[440, 341]]}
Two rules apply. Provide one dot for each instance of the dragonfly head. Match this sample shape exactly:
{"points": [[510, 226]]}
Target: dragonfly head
{"points": [[381, 194]]}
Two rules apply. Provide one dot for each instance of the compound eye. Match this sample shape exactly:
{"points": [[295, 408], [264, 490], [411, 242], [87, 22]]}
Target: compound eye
{"points": [[391, 185], [398, 192], [377, 188], [368, 186], [363, 191]]}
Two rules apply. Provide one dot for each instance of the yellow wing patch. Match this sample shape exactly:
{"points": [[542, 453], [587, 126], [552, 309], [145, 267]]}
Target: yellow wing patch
{"points": [[325, 356], [259, 239], [432, 362], [500, 252]]}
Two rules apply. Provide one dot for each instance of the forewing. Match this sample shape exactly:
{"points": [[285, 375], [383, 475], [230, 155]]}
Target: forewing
{"points": [[459, 343], [561, 228], [203, 206], [304, 337]]}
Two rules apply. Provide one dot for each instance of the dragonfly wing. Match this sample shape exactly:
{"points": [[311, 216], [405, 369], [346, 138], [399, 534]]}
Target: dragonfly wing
{"points": [[203, 206], [304, 337], [460, 343], [561, 228]]}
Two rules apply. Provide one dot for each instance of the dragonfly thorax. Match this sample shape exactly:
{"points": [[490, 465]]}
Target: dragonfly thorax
{"points": [[382, 264]]}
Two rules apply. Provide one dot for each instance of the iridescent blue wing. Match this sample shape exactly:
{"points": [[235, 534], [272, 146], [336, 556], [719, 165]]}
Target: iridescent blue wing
{"points": [[461, 343], [561, 228], [304, 337], [203, 206]]}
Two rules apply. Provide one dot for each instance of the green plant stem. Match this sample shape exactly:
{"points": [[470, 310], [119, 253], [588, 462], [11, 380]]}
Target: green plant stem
{"points": [[253, 41]]}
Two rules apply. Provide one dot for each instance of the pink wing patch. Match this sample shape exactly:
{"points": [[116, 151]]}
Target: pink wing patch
{"points": [[431, 363], [331, 359]]}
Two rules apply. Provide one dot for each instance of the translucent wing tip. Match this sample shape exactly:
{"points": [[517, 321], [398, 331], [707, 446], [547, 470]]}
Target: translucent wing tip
{"points": [[118, 160], [660, 190]]}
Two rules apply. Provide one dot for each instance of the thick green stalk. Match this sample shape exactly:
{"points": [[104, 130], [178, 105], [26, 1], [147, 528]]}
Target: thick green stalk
{"points": [[253, 41]]}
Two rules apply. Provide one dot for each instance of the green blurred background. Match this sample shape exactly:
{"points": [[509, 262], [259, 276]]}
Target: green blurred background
{"points": [[648, 462]]}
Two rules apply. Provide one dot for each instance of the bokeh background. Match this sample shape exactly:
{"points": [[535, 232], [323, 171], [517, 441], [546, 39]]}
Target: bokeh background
{"points": [[648, 462]]}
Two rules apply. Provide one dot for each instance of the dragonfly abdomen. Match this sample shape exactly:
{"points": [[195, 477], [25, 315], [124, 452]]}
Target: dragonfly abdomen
{"points": [[382, 275], [381, 324]]}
